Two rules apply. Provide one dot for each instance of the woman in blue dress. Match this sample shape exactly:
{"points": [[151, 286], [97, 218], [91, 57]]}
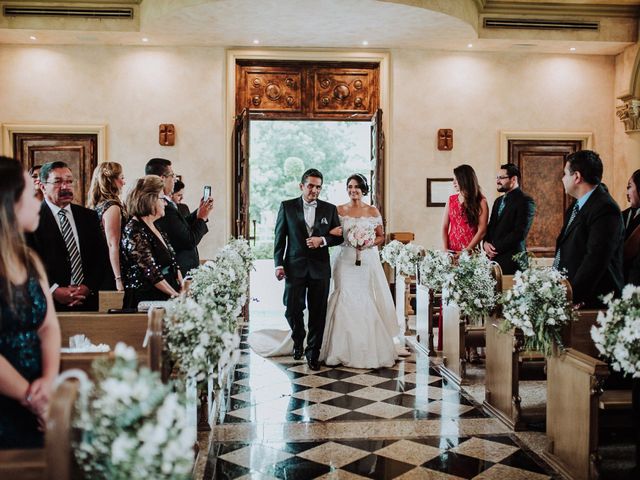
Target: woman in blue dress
{"points": [[29, 330]]}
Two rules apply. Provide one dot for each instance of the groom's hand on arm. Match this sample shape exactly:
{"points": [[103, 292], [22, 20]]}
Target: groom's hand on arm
{"points": [[316, 242]]}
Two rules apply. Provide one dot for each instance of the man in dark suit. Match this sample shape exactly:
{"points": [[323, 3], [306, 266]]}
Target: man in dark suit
{"points": [[184, 233], [511, 218], [589, 246], [301, 256], [70, 242]]}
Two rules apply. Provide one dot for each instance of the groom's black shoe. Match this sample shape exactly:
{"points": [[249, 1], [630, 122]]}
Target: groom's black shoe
{"points": [[314, 364], [298, 352]]}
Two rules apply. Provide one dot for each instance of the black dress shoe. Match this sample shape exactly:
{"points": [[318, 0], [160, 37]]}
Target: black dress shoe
{"points": [[313, 364], [298, 352]]}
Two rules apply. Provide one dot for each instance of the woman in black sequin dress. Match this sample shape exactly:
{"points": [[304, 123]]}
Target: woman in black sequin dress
{"points": [[104, 198], [29, 330], [149, 265]]}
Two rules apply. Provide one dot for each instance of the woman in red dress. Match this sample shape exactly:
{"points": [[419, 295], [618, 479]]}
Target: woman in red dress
{"points": [[466, 213]]}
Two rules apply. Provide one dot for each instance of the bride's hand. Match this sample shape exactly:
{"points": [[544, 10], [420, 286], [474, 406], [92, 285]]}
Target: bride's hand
{"points": [[336, 231]]}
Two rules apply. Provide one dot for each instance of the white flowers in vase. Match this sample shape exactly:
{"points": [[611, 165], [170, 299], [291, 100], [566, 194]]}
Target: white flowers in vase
{"points": [[391, 252], [408, 259], [537, 304], [471, 286], [617, 334], [433, 269], [131, 426]]}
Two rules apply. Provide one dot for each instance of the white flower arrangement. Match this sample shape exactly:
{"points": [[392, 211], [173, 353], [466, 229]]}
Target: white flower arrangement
{"points": [[391, 251], [618, 334], [433, 269], [131, 426], [537, 304], [471, 286], [198, 340], [409, 259]]}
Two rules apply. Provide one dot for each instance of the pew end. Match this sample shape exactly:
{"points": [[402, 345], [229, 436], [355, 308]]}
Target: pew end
{"points": [[59, 435]]}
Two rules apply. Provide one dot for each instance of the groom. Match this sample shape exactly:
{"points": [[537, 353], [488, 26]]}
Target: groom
{"points": [[301, 256]]}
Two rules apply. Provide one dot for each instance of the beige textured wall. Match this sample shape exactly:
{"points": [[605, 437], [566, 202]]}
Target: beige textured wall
{"points": [[134, 89], [477, 95]]}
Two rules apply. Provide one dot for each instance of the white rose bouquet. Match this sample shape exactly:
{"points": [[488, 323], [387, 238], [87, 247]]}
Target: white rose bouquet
{"points": [[391, 252], [470, 285], [360, 237], [538, 305], [434, 268], [617, 334], [131, 426]]}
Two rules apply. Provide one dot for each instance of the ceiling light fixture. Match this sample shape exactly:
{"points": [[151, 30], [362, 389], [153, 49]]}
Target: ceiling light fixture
{"points": [[365, 43], [573, 49], [33, 37], [256, 41], [145, 39], [469, 45]]}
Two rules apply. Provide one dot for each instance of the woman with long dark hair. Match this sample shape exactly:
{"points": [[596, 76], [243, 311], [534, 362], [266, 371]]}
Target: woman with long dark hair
{"points": [[466, 212], [29, 330], [631, 217], [104, 198]]}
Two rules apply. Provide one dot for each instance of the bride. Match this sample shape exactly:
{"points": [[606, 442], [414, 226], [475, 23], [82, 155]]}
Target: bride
{"points": [[361, 318]]}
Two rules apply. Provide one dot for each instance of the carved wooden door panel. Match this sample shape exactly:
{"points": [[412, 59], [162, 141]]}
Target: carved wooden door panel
{"points": [[541, 163], [241, 174], [377, 163], [76, 150]]}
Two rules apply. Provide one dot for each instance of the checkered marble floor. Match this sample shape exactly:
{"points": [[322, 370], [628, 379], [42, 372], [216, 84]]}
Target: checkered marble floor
{"points": [[284, 421]]}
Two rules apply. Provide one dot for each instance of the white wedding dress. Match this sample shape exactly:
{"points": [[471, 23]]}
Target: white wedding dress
{"points": [[361, 317]]}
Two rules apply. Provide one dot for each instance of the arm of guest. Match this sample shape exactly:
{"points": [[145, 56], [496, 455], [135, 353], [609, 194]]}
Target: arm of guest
{"points": [[184, 233], [524, 218], [112, 229], [445, 227], [482, 225]]}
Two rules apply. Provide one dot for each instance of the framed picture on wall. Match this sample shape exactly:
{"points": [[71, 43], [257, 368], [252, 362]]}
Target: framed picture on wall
{"points": [[438, 191]]}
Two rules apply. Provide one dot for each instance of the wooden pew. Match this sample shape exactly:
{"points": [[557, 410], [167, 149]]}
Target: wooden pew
{"points": [[428, 311], [504, 358], [28, 464], [58, 438], [457, 336], [108, 299]]}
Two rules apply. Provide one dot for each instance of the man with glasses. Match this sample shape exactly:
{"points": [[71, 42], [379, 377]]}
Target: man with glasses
{"points": [[184, 233], [511, 218], [590, 243], [69, 241]]}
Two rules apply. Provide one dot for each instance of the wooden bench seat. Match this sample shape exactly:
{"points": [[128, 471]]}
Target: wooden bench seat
{"points": [[28, 464], [615, 400]]}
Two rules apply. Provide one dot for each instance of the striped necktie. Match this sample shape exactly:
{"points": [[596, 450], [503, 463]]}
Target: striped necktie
{"points": [[77, 277], [574, 212]]}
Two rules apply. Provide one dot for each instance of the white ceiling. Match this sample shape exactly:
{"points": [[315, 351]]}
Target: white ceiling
{"points": [[384, 24]]}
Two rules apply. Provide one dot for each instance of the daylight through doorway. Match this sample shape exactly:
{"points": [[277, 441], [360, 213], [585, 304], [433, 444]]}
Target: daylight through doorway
{"points": [[280, 152]]}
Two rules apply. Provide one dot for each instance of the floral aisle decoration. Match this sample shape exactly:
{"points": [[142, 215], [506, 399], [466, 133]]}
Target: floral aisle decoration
{"points": [[471, 286], [360, 237], [617, 333], [538, 305], [409, 259], [131, 426], [434, 268], [391, 251], [198, 341]]}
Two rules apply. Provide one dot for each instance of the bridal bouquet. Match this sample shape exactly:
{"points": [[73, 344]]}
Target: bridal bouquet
{"points": [[199, 341], [360, 237], [131, 425], [433, 269], [618, 334], [471, 286], [538, 305], [391, 252]]}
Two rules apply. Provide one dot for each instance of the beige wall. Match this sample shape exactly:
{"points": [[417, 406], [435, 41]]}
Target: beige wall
{"points": [[134, 89], [477, 95]]}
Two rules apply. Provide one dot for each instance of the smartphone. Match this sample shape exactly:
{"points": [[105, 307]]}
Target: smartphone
{"points": [[206, 192]]}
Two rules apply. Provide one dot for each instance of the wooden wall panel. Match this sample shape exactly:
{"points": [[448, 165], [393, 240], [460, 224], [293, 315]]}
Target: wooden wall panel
{"points": [[347, 91]]}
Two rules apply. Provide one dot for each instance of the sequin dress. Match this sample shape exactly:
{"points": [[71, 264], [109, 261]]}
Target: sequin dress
{"points": [[460, 232], [145, 262], [20, 346]]}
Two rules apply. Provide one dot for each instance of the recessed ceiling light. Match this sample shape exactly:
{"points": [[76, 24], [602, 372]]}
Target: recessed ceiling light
{"points": [[33, 37], [145, 39], [365, 42], [573, 49], [469, 45], [256, 41]]}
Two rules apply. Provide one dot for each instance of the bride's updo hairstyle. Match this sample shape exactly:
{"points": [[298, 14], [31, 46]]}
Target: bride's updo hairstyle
{"points": [[362, 182]]}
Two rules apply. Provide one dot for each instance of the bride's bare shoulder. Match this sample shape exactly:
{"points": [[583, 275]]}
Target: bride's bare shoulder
{"points": [[343, 209], [372, 211]]}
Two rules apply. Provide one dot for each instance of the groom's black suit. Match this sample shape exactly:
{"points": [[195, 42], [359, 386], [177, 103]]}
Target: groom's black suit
{"points": [[307, 270]]}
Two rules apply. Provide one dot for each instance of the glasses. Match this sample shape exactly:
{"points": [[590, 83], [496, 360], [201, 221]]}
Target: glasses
{"points": [[502, 177], [167, 175], [59, 182]]}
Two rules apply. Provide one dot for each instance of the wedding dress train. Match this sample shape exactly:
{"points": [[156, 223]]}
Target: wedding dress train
{"points": [[361, 317]]}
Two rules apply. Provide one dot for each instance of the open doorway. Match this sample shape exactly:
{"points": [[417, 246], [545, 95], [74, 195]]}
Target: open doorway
{"points": [[280, 153]]}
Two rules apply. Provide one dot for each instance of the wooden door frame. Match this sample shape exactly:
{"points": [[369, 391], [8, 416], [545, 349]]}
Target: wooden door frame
{"points": [[380, 57], [505, 135], [8, 129]]}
